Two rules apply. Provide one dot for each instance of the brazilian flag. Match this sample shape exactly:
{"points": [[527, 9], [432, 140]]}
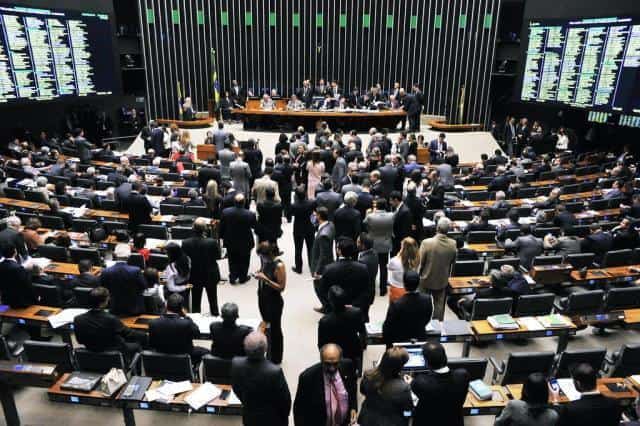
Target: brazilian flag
{"points": [[214, 78]]}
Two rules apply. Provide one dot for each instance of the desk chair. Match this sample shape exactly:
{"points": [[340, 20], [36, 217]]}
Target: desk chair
{"points": [[534, 305], [24, 216], [617, 258], [599, 204], [575, 207], [174, 367], [581, 303], [136, 259], [102, 185], [478, 196], [540, 232], [174, 209], [529, 192], [498, 213], [102, 362], [83, 225], [216, 370], [524, 211], [568, 359], [481, 237], [461, 214], [547, 260], [60, 354], [181, 232], [614, 203], [199, 211], [5, 353], [571, 189], [497, 263], [618, 299], [35, 196], [81, 201], [158, 261], [547, 175], [519, 365], [154, 190], [15, 193], [587, 186], [81, 296], [170, 177], [85, 183], [110, 205], [154, 231], [476, 367], [580, 260], [467, 268], [483, 308], [55, 253], [48, 295], [79, 253], [110, 227], [53, 222], [623, 363]]}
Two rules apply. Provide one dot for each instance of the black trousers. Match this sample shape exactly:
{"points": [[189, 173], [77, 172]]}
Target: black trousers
{"points": [[212, 297], [383, 259], [271, 312], [238, 264], [285, 195], [414, 121], [298, 241]]}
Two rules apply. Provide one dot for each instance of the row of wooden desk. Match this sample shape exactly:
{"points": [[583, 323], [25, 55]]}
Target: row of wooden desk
{"points": [[559, 181]]}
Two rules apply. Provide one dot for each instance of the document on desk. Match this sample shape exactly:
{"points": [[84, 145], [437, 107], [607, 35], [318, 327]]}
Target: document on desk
{"points": [[233, 399], [568, 388], [66, 316], [41, 262], [205, 393], [374, 328], [170, 389], [530, 323]]}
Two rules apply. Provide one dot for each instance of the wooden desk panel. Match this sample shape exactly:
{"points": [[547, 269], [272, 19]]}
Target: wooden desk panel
{"points": [[62, 268], [29, 314], [516, 391]]}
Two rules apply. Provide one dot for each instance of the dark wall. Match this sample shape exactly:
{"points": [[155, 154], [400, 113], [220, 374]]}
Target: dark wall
{"points": [[50, 115], [277, 44]]}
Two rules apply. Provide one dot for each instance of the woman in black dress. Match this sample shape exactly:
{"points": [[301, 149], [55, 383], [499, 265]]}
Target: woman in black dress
{"points": [[272, 280]]}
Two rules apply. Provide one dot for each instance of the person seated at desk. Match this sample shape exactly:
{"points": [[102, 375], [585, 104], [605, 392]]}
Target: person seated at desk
{"points": [[294, 104], [11, 236], [188, 113], [625, 236], [86, 278], [441, 392], [174, 331], [266, 103], [408, 316], [30, 234], [592, 409], [329, 102], [177, 272], [564, 244], [16, 289], [598, 242], [153, 293], [194, 199], [228, 337], [481, 223], [527, 246], [500, 181], [465, 253], [99, 331], [551, 201], [533, 409], [501, 202]]}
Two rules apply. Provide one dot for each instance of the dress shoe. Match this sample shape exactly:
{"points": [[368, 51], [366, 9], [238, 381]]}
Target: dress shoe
{"points": [[243, 280], [296, 270], [320, 310]]}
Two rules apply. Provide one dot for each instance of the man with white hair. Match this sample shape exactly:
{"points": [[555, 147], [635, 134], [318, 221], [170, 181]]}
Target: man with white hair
{"points": [[500, 182], [124, 190], [260, 385], [41, 187], [11, 236], [501, 202], [347, 220], [437, 255]]}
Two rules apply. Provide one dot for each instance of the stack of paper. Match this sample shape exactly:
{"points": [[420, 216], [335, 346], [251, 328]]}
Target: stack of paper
{"points": [[204, 394], [502, 322], [530, 323], [167, 391], [65, 317], [41, 262], [553, 321], [569, 389]]}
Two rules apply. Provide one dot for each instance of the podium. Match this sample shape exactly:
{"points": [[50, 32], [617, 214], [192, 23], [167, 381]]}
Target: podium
{"points": [[206, 152], [423, 156]]}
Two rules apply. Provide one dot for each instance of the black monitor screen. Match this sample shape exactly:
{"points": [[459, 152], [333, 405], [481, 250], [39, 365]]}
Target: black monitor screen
{"points": [[49, 53], [584, 63]]}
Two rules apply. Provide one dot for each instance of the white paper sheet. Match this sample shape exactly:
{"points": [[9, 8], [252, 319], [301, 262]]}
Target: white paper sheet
{"points": [[569, 389], [174, 388], [233, 399], [65, 317], [204, 394]]}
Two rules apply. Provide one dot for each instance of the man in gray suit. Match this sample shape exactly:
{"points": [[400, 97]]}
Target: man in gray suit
{"points": [[240, 174], [225, 157], [339, 170], [220, 136], [328, 199], [526, 246], [445, 175], [380, 228], [437, 255], [321, 253]]}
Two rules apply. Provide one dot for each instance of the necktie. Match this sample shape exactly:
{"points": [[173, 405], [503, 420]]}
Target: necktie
{"points": [[335, 403]]}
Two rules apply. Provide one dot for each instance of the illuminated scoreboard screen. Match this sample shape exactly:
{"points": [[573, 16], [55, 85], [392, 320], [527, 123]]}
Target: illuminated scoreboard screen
{"points": [[584, 63], [49, 54]]}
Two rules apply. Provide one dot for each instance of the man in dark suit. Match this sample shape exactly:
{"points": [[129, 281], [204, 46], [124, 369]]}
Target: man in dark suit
{"points": [[15, 286], [86, 278], [500, 181], [174, 331], [598, 242], [228, 337], [236, 226], [205, 275], [344, 326], [402, 220], [408, 316], [625, 236], [329, 199], [100, 331], [238, 93], [437, 148], [123, 191], [207, 173], [441, 392], [333, 375], [592, 409], [260, 385], [11, 236], [157, 139], [83, 147], [349, 274], [368, 257], [282, 174], [126, 285], [138, 207], [321, 255], [347, 219], [303, 231], [388, 177], [411, 105], [563, 218], [306, 93]]}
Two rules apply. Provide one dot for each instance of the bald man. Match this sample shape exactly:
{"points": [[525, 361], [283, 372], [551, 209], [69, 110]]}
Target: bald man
{"points": [[327, 391]]}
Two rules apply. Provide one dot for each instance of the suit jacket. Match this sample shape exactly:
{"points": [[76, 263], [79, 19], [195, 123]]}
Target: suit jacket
{"points": [[225, 157], [260, 186], [329, 199], [220, 136], [370, 259], [437, 255], [411, 105], [402, 221], [499, 183], [598, 243], [380, 227], [309, 408], [86, 279], [346, 329], [138, 208], [353, 277], [15, 286], [567, 245], [157, 140], [389, 178], [126, 285], [9, 236], [83, 148], [204, 253], [389, 405], [205, 174], [263, 390], [407, 318], [240, 175], [347, 221], [364, 203], [301, 211], [121, 193], [625, 239], [322, 250], [441, 396], [228, 339], [173, 334], [433, 148], [565, 220], [269, 220], [100, 331], [591, 410], [527, 247], [236, 224]]}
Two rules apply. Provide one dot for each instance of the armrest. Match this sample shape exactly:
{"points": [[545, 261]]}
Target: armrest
{"points": [[498, 368], [134, 366]]}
